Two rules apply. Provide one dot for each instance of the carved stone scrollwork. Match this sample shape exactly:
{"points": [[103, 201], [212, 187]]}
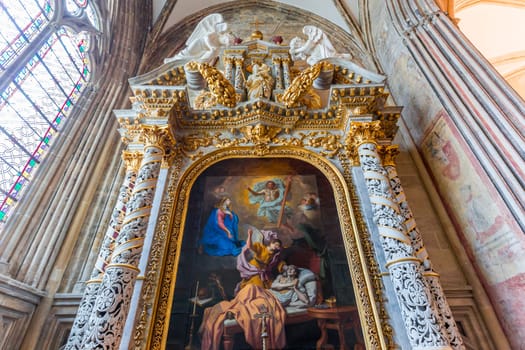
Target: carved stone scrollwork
{"points": [[423, 326], [431, 279], [112, 304], [329, 142], [132, 162]]}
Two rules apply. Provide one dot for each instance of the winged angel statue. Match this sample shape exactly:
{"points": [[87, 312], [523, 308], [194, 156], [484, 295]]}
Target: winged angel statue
{"points": [[204, 43], [315, 48]]}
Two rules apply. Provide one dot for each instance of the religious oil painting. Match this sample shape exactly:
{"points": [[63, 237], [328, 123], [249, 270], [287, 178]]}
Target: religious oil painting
{"points": [[262, 263]]}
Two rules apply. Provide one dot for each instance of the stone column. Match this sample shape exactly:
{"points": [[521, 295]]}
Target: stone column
{"points": [[228, 69], [286, 72], [388, 154], [277, 64], [239, 76], [106, 323], [422, 324], [132, 162], [140, 294]]}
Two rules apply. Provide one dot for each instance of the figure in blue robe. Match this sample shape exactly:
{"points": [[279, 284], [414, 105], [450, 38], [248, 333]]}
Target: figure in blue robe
{"points": [[221, 236]]}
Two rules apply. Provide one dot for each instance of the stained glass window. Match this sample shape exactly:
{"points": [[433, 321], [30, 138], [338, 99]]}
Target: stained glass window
{"points": [[21, 22], [51, 69]]}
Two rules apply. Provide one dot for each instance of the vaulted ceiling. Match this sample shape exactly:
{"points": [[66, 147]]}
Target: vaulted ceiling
{"points": [[496, 28]]}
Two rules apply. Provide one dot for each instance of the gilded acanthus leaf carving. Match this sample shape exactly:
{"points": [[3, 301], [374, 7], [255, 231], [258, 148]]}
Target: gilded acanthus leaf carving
{"points": [[205, 100], [260, 133], [219, 86], [193, 142], [328, 142], [302, 85]]}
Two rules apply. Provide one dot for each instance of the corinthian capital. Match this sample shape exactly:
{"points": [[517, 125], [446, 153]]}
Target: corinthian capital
{"points": [[388, 154], [363, 132], [157, 136], [132, 160]]}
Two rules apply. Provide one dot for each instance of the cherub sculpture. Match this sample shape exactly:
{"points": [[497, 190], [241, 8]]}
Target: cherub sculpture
{"points": [[204, 43], [315, 48]]}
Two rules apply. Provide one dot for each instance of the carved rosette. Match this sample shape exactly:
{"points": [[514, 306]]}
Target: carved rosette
{"points": [[132, 161], [431, 279], [421, 323], [108, 317]]}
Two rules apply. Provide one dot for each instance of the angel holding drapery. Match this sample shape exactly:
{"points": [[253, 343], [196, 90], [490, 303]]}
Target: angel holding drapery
{"points": [[207, 39], [315, 48]]}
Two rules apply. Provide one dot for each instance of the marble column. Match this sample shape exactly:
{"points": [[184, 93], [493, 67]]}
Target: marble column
{"points": [[106, 323], [388, 154], [132, 162], [228, 69], [421, 322], [277, 64], [239, 76], [286, 72]]}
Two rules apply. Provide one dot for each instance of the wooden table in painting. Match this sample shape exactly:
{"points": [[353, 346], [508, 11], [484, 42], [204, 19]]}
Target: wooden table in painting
{"points": [[337, 318]]}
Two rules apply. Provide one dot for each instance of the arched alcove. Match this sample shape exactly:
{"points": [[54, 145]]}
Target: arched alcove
{"points": [[187, 207], [306, 222]]}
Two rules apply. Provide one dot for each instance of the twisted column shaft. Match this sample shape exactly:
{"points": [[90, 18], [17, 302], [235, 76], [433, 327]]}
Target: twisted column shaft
{"points": [[106, 322], [131, 161], [416, 239], [422, 324], [277, 64]]}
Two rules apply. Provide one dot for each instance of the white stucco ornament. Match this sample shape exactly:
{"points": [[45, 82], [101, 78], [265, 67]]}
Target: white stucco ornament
{"points": [[207, 39], [315, 48]]}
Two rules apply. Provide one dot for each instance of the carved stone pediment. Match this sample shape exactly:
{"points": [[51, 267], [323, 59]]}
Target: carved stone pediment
{"points": [[259, 93]]}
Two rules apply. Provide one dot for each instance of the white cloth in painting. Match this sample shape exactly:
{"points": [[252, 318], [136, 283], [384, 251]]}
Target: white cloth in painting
{"points": [[307, 285], [315, 48], [206, 40]]}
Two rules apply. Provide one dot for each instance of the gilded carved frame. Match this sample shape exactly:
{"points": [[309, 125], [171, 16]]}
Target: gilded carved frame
{"points": [[162, 268]]}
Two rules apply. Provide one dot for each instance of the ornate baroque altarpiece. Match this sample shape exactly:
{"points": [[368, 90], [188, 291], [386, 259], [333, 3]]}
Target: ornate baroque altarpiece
{"points": [[232, 118]]}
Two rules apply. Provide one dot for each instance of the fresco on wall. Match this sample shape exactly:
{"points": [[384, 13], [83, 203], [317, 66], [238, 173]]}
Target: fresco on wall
{"points": [[484, 222], [261, 237]]}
